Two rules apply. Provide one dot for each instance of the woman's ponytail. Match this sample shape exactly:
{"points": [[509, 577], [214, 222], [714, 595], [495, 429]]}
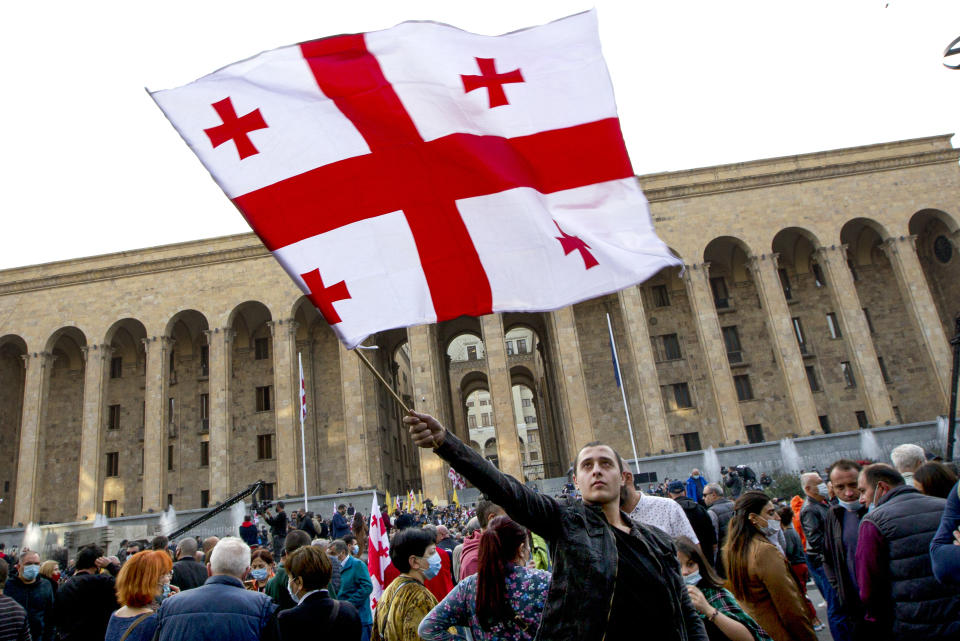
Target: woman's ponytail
{"points": [[499, 546]]}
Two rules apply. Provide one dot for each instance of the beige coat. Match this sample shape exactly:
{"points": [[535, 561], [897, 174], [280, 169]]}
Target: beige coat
{"points": [[773, 597]]}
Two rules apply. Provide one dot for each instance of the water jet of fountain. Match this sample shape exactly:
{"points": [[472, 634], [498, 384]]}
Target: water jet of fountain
{"points": [[869, 447], [168, 521], [711, 465], [789, 455], [32, 538], [99, 520], [237, 512]]}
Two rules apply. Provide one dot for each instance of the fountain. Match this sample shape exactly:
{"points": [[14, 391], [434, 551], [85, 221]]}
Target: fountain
{"points": [[711, 465], [32, 538], [789, 455], [943, 425], [869, 447], [237, 512], [99, 520], [168, 521]]}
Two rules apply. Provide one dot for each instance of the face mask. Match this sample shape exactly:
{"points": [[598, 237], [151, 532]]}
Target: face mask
{"points": [[822, 490], [259, 574], [355, 550], [434, 568], [773, 526], [166, 590], [853, 506], [30, 572], [696, 476], [876, 498], [293, 595], [693, 578]]}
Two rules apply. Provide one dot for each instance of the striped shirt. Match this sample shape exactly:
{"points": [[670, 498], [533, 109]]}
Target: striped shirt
{"points": [[13, 621]]}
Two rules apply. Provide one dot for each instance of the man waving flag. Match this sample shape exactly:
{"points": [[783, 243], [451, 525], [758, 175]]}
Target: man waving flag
{"points": [[420, 173]]}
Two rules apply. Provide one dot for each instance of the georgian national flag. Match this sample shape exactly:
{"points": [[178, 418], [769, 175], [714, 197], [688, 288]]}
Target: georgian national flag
{"points": [[420, 173], [378, 552]]}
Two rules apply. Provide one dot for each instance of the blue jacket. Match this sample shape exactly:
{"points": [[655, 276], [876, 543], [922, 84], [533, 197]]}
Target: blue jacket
{"points": [[219, 610], [943, 553], [355, 587], [341, 527], [695, 488]]}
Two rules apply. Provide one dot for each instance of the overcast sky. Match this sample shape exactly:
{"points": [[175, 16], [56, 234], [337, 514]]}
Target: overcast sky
{"points": [[90, 165]]}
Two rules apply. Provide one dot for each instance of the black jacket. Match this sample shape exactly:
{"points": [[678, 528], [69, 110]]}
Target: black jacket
{"points": [[311, 619], [701, 524], [813, 515], [584, 552], [84, 605], [249, 534], [835, 559], [277, 523], [188, 573], [37, 599]]}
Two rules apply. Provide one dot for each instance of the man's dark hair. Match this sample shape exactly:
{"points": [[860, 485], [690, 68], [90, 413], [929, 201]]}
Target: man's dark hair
{"points": [[342, 506], [247, 517], [843, 464], [87, 556], [4, 571], [137, 544], [295, 539], [576, 460], [279, 505], [349, 539], [404, 521], [159, 542], [487, 510], [409, 542], [337, 546], [882, 472]]}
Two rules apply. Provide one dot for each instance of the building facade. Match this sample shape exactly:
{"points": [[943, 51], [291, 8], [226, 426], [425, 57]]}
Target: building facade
{"points": [[818, 295]]}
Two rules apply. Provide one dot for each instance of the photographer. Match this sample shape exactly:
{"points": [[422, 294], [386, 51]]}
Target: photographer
{"points": [[278, 528], [733, 481]]}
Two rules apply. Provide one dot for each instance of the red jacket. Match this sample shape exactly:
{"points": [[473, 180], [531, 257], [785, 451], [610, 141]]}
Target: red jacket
{"points": [[470, 555]]}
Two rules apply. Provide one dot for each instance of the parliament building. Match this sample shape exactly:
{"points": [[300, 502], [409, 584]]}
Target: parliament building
{"points": [[818, 294]]}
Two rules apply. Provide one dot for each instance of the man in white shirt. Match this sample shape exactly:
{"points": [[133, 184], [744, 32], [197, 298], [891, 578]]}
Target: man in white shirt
{"points": [[665, 514]]}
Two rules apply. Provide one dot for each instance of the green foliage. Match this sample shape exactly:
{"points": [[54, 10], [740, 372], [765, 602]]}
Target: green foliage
{"points": [[784, 486]]}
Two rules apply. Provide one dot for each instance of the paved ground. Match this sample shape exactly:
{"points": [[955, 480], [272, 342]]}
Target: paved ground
{"points": [[817, 598]]}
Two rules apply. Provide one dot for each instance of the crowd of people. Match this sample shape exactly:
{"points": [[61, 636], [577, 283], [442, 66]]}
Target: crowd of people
{"points": [[695, 561]]}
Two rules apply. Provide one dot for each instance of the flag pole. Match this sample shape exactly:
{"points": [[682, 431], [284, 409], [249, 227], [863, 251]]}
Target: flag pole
{"points": [[623, 391], [382, 380], [303, 442]]}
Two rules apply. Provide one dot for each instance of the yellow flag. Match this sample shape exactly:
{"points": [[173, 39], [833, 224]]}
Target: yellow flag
{"points": [[456, 501], [389, 503]]}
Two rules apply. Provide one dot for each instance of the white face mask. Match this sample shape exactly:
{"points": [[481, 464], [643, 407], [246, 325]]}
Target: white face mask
{"points": [[822, 490], [293, 594]]}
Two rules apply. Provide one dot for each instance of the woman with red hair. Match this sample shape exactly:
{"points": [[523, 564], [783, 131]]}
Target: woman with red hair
{"points": [[504, 600], [140, 582]]}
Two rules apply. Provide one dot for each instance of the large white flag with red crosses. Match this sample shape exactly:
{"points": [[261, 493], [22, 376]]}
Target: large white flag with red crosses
{"points": [[421, 173], [378, 552]]}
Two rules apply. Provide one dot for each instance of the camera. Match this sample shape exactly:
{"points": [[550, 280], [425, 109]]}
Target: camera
{"points": [[261, 506]]}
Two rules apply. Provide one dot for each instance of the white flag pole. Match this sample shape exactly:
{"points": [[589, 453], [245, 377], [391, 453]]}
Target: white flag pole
{"points": [[623, 391], [303, 442]]}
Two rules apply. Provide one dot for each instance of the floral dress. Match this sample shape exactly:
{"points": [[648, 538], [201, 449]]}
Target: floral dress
{"points": [[526, 592]]}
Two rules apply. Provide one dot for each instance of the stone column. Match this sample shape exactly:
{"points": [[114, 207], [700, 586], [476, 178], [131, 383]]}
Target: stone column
{"points": [[354, 419], [35, 389], [902, 253], [501, 396], [573, 389], [97, 359], [645, 369], [428, 397], [729, 420], [863, 355], [220, 346], [155, 420], [286, 410], [786, 349]]}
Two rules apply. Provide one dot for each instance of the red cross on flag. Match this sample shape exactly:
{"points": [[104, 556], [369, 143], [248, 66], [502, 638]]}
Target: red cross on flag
{"points": [[420, 173], [378, 552]]}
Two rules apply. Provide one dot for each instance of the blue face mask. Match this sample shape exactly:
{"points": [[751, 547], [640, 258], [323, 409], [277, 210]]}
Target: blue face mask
{"points": [[259, 574], [166, 591], [693, 578], [355, 550], [852, 506], [30, 572], [434, 568]]}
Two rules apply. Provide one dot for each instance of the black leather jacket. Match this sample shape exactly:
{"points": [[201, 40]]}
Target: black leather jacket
{"points": [[584, 552]]}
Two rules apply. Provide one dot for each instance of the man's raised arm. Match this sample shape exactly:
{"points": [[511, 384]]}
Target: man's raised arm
{"points": [[531, 509]]}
